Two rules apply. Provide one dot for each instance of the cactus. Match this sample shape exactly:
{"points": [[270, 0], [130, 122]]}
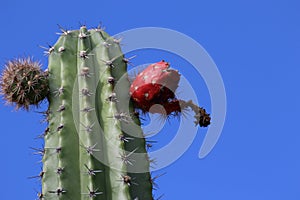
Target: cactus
{"points": [[94, 145], [85, 122], [86, 154]]}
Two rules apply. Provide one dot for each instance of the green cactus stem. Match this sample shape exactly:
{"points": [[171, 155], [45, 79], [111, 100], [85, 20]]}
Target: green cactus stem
{"points": [[86, 156]]}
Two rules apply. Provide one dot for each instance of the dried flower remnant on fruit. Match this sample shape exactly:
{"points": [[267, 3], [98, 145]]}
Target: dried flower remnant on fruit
{"points": [[23, 83]]}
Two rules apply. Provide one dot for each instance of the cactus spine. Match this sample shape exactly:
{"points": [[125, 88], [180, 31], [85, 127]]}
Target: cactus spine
{"points": [[86, 156]]}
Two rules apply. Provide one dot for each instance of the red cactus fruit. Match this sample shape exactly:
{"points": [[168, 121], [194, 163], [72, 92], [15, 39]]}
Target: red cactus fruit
{"points": [[156, 85], [173, 106]]}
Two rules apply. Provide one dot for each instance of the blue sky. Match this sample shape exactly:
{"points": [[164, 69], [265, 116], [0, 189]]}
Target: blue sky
{"points": [[256, 46]]}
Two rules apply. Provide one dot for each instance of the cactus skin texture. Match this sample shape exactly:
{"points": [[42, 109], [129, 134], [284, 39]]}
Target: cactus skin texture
{"points": [[86, 155]]}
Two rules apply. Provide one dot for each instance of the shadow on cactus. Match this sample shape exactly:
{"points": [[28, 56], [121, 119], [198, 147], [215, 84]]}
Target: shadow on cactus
{"points": [[87, 154]]}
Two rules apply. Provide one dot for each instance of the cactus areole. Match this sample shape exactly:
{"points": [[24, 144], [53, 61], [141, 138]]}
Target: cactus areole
{"points": [[94, 145]]}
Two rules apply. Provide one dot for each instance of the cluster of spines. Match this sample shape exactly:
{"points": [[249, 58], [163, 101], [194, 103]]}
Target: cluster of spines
{"points": [[23, 83], [90, 117]]}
